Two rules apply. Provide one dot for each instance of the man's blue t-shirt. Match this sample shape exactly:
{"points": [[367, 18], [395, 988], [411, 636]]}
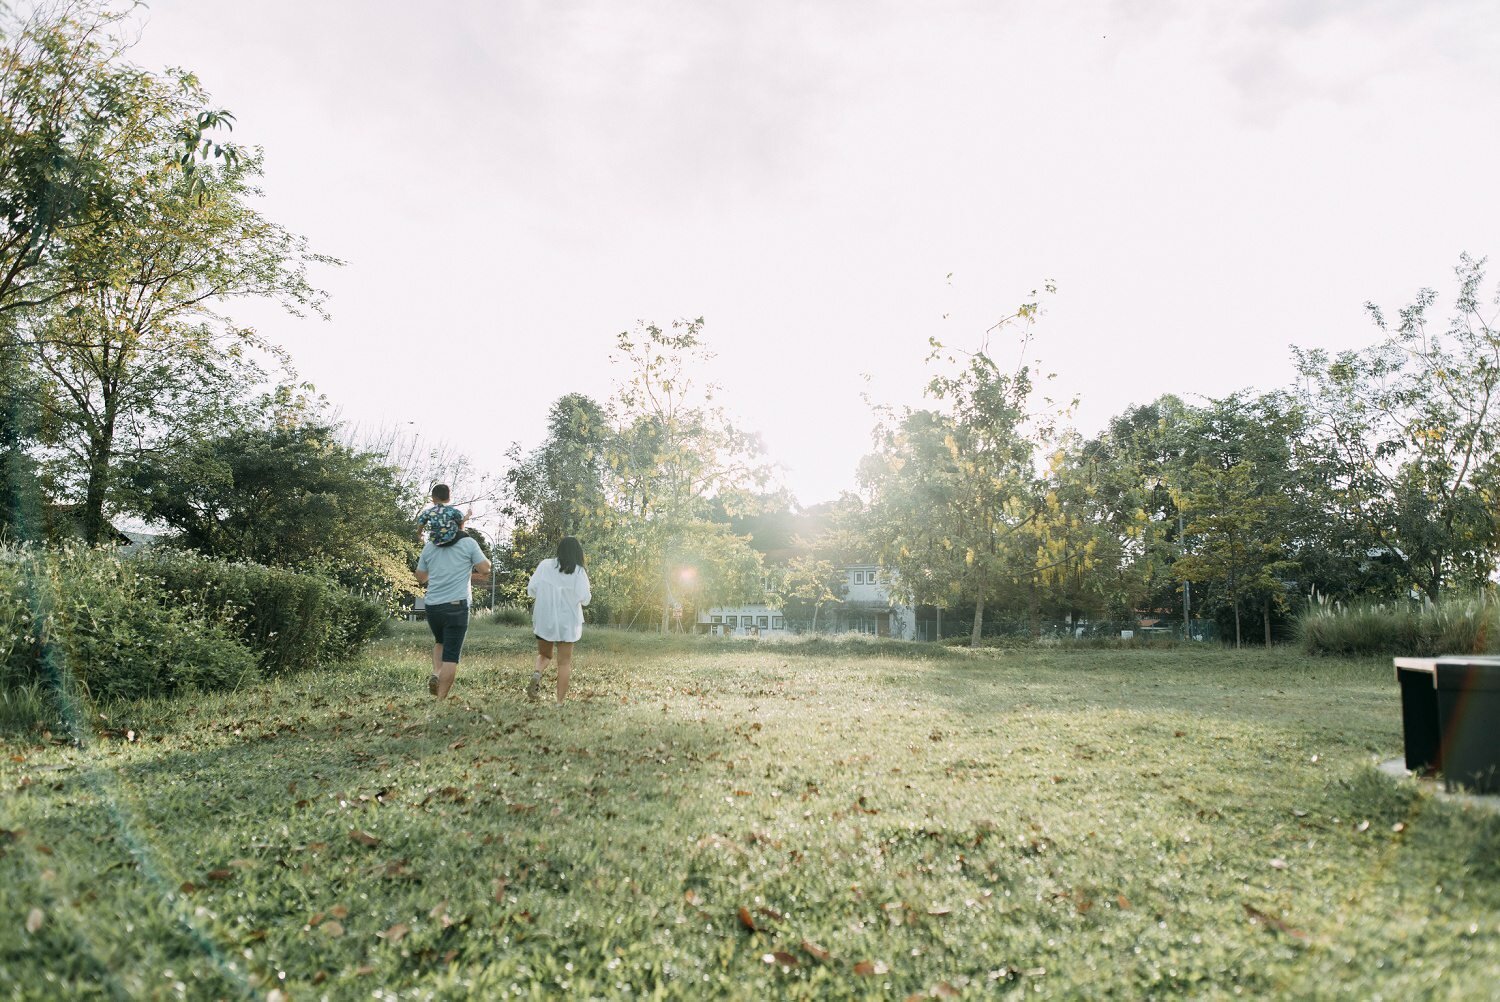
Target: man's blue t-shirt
{"points": [[448, 569]]}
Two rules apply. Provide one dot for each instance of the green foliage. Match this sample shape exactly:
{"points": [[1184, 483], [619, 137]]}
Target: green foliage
{"points": [[293, 621], [648, 484], [1408, 437], [77, 621], [953, 494], [125, 231], [1454, 625], [286, 493]]}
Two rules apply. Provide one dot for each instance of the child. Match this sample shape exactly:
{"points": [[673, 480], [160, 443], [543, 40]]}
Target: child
{"points": [[443, 522], [560, 588]]}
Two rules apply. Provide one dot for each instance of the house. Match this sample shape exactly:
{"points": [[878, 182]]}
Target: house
{"points": [[867, 608]]}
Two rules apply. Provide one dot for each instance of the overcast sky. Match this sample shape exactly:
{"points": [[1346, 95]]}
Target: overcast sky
{"points": [[513, 183]]}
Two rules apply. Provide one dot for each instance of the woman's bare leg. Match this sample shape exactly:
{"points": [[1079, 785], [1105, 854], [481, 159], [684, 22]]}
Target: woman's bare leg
{"points": [[564, 669], [535, 685]]}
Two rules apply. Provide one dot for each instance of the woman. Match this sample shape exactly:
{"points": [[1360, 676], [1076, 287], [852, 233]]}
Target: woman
{"points": [[560, 589]]}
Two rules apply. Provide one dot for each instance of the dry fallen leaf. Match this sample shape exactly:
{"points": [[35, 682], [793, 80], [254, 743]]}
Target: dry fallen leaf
{"points": [[363, 837], [1278, 863], [746, 919], [814, 951], [333, 929], [1256, 915], [339, 911], [34, 919], [395, 933], [221, 874], [780, 958], [869, 968]]}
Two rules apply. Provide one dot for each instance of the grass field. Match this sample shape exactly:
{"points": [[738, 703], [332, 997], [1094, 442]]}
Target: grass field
{"points": [[716, 819]]}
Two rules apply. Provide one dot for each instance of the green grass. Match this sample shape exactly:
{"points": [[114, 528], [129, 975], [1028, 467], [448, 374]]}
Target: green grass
{"points": [[892, 820]]}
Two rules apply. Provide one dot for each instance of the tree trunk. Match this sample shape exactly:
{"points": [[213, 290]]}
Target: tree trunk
{"points": [[666, 604], [1034, 610], [978, 622], [1267, 616], [816, 607], [1234, 597], [94, 491]]}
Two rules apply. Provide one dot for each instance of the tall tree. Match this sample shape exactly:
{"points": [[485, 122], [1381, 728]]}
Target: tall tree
{"points": [[74, 115], [142, 358], [1409, 435], [951, 490], [1239, 499], [558, 488], [675, 461]]}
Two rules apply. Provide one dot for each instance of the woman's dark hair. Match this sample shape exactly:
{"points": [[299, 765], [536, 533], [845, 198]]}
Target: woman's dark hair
{"points": [[569, 554]]}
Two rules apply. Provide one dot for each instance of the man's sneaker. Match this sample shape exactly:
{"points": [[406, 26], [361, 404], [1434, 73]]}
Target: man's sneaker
{"points": [[534, 686], [432, 683]]}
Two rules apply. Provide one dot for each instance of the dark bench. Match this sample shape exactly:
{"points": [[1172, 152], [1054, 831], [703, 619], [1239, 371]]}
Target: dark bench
{"points": [[1450, 719]]}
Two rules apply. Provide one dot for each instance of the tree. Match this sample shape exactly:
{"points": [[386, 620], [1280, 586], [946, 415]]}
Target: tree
{"points": [[283, 491], [557, 489], [1239, 500], [140, 358], [810, 581], [73, 115], [675, 460], [1408, 434], [951, 490]]}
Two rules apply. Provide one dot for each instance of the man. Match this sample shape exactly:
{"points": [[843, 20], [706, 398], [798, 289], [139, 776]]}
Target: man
{"points": [[445, 570]]}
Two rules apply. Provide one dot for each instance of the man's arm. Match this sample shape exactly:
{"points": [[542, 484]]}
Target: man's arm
{"points": [[421, 577]]}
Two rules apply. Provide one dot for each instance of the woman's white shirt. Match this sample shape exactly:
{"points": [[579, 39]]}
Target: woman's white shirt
{"points": [[557, 613]]}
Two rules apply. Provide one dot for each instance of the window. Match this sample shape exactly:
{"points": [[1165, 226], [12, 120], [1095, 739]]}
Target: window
{"points": [[718, 619], [778, 623], [859, 577], [763, 622], [874, 577]]}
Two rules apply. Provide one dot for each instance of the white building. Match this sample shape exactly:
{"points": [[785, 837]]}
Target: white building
{"points": [[867, 608]]}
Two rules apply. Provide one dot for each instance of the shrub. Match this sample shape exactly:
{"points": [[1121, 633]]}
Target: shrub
{"points": [[291, 620], [1465, 625], [511, 615], [78, 622]]}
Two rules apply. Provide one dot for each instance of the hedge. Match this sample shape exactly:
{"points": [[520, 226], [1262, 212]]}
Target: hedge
{"points": [[78, 620], [81, 622], [292, 620]]}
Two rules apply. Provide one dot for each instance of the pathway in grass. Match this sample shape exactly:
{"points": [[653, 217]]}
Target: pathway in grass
{"points": [[730, 820]]}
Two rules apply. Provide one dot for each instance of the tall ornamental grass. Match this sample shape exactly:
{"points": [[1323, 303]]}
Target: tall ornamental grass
{"points": [[1460, 625]]}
